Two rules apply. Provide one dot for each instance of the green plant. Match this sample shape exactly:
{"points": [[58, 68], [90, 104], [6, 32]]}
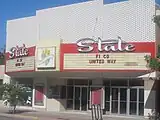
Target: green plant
{"points": [[12, 94], [153, 63]]}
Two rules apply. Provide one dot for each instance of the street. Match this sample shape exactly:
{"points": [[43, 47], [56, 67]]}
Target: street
{"points": [[13, 118]]}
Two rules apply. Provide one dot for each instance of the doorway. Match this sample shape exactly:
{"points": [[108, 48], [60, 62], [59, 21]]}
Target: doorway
{"points": [[80, 98], [136, 102], [119, 101], [127, 101]]}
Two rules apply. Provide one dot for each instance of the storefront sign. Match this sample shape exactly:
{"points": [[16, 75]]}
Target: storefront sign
{"points": [[20, 64], [46, 57], [130, 58], [17, 51], [111, 45], [20, 59], [105, 61]]}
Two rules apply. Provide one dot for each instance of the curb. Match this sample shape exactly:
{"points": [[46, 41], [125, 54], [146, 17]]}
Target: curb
{"points": [[19, 116]]}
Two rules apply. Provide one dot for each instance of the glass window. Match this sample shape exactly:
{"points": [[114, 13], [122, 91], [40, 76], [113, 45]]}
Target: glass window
{"points": [[133, 94], [69, 104], [114, 93], [63, 92], [123, 107], [141, 95], [54, 92], [119, 82], [123, 94], [107, 106], [107, 93], [106, 82], [58, 92], [133, 108], [81, 82], [70, 82], [114, 107], [69, 92], [136, 82], [141, 109], [90, 82]]}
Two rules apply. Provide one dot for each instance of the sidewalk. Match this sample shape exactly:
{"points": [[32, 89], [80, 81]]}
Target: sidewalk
{"points": [[43, 115]]}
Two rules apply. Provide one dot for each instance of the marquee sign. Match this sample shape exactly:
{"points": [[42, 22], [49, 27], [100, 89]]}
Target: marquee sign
{"points": [[111, 45], [88, 54], [17, 51], [109, 61], [20, 58]]}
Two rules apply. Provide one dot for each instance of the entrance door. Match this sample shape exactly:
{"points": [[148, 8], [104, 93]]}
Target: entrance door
{"points": [[136, 102], [123, 100], [84, 92], [77, 98], [80, 98], [133, 101], [119, 101], [114, 105]]}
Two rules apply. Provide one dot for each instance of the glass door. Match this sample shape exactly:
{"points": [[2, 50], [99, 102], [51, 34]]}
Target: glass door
{"points": [[80, 98], [115, 92], [123, 100], [141, 102], [136, 103], [84, 100], [127, 101], [133, 101], [77, 98], [119, 101]]}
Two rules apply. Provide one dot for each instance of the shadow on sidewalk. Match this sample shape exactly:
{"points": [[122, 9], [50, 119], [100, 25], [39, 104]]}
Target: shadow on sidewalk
{"points": [[19, 111], [62, 119]]}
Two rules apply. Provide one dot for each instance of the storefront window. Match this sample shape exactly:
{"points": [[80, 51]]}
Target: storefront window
{"points": [[57, 92], [63, 92], [28, 85], [28, 96]]}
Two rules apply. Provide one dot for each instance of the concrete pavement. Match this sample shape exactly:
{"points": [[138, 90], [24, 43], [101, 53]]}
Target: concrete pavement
{"points": [[43, 115], [11, 118]]}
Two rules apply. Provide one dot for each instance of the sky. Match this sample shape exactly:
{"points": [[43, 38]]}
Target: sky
{"points": [[12, 9]]}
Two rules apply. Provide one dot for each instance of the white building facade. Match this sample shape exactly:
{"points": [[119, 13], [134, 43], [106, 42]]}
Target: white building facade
{"points": [[64, 53]]}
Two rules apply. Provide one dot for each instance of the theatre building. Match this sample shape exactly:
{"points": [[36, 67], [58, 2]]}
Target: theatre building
{"points": [[76, 55]]}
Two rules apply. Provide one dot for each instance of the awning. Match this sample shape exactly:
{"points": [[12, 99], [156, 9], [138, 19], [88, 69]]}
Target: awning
{"points": [[149, 75]]}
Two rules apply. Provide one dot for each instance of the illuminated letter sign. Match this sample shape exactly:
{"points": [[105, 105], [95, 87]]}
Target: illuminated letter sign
{"points": [[17, 51], [114, 45]]}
